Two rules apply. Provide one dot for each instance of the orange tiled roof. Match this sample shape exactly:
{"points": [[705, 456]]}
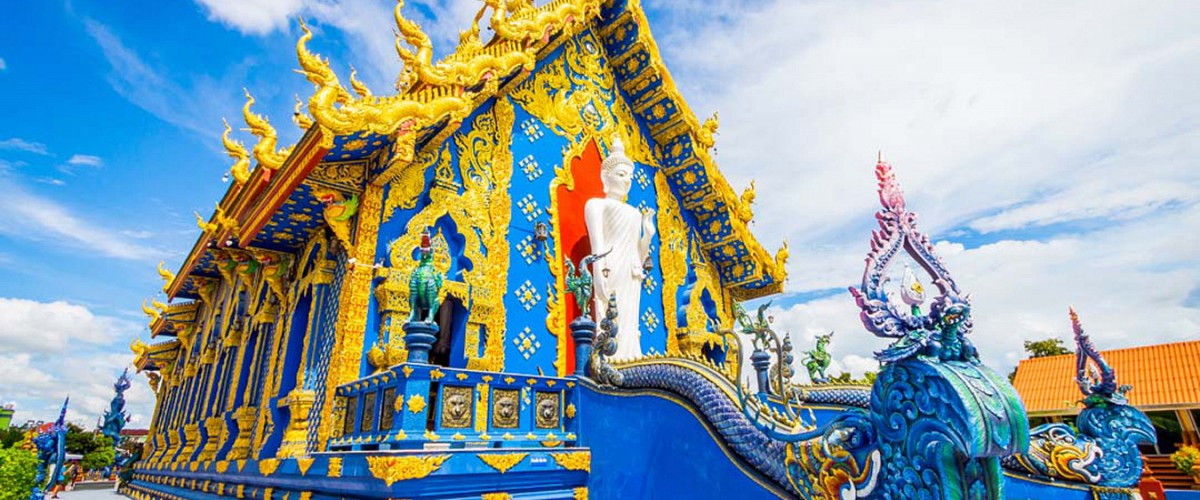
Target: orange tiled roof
{"points": [[1163, 376]]}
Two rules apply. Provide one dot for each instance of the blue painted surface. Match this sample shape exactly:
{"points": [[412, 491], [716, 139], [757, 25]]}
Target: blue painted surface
{"points": [[1183, 494], [1018, 488], [646, 446]]}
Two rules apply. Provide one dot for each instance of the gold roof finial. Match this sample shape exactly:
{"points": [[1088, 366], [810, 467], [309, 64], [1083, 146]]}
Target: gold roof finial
{"points": [[264, 149], [166, 275], [300, 118], [235, 150], [359, 87]]}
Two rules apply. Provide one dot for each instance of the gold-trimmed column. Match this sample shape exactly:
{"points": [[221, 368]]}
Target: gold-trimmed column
{"points": [[346, 359]]}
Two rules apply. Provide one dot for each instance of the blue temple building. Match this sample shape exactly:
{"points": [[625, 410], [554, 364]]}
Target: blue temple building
{"points": [[390, 307]]}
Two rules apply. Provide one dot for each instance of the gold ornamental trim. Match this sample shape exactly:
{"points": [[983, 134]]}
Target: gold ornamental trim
{"points": [[502, 462], [267, 466], [304, 464], [390, 469], [575, 460]]}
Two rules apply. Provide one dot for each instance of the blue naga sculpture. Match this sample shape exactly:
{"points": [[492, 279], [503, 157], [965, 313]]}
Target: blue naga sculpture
{"points": [[115, 416], [943, 419], [51, 451], [1104, 451]]}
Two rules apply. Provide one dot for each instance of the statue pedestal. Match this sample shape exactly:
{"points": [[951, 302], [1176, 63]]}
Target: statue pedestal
{"points": [[583, 330], [762, 362], [419, 337]]}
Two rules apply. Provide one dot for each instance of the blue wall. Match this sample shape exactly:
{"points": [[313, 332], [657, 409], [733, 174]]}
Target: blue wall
{"points": [[648, 446]]}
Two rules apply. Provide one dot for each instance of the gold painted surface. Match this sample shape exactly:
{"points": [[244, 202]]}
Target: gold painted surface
{"points": [[267, 466], [574, 460], [502, 462], [391, 469], [264, 150], [505, 408], [335, 467], [416, 403], [547, 406], [345, 360], [456, 407], [304, 463], [496, 496]]}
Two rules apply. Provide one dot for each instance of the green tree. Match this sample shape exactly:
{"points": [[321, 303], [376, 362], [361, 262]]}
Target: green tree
{"points": [[11, 436], [99, 458], [80, 441], [1040, 349], [18, 468]]}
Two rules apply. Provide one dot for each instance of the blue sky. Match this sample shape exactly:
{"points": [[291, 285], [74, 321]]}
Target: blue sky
{"points": [[1050, 149]]}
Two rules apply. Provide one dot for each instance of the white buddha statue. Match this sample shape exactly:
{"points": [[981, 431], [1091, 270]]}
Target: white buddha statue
{"points": [[618, 228]]}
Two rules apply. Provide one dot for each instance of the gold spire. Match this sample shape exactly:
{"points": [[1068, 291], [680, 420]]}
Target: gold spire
{"points": [[150, 312], [359, 87], [166, 275], [300, 118], [235, 150], [338, 113], [264, 149]]}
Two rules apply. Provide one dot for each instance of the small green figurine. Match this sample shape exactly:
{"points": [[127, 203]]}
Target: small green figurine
{"points": [[579, 282], [817, 360], [424, 285]]}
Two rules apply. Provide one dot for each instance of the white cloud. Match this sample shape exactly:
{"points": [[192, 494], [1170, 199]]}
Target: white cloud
{"points": [[35, 218], [88, 160], [31, 326], [18, 144], [257, 17], [196, 108], [51, 349], [980, 107], [3, 65]]}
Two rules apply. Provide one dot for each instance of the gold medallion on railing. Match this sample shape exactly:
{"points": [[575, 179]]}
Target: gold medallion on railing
{"points": [[548, 404], [505, 414], [456, 407]]}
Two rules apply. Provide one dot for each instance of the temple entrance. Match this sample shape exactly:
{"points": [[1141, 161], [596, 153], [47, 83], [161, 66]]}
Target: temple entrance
{"points": [[448, 350]]}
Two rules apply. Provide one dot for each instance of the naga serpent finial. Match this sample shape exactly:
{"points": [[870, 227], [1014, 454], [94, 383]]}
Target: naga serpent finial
{"points": [[940, 334], [1095, 377]]}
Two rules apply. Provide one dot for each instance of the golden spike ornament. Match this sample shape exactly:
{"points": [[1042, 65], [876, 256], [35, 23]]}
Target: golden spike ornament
{"points": [[299, 117], [167, 276], [237, 151], [207, 227], [337, 113], [520, 21], [744, 209], [359, 87], [706, 136], [150, 312], [463, 70], [264, 150]]}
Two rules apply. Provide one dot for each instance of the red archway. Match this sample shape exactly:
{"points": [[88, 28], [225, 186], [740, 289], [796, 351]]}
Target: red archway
{"points": [[572, 240]]}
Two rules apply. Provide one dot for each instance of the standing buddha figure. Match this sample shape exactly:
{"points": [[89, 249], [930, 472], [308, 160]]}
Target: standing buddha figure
{"points": [[617, 227]]}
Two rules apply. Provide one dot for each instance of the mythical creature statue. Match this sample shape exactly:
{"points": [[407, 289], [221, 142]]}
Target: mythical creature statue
{"points": [[756, 327], [605, 346], [1104, 450], [236, 150], [580, 283], [817, 360], [116, 417], [338, 213], [940, 335], [706, 135], [424, 285], [50, 445], [944, 420]]}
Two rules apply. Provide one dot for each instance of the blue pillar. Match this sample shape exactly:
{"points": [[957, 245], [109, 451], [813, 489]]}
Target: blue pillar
{"points": [[419, 337], [761, 361], [583, 330]]}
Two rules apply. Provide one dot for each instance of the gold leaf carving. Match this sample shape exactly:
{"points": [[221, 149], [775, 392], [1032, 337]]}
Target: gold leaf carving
{"points": [[502, 462], [392, 468], [575, 460]]}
